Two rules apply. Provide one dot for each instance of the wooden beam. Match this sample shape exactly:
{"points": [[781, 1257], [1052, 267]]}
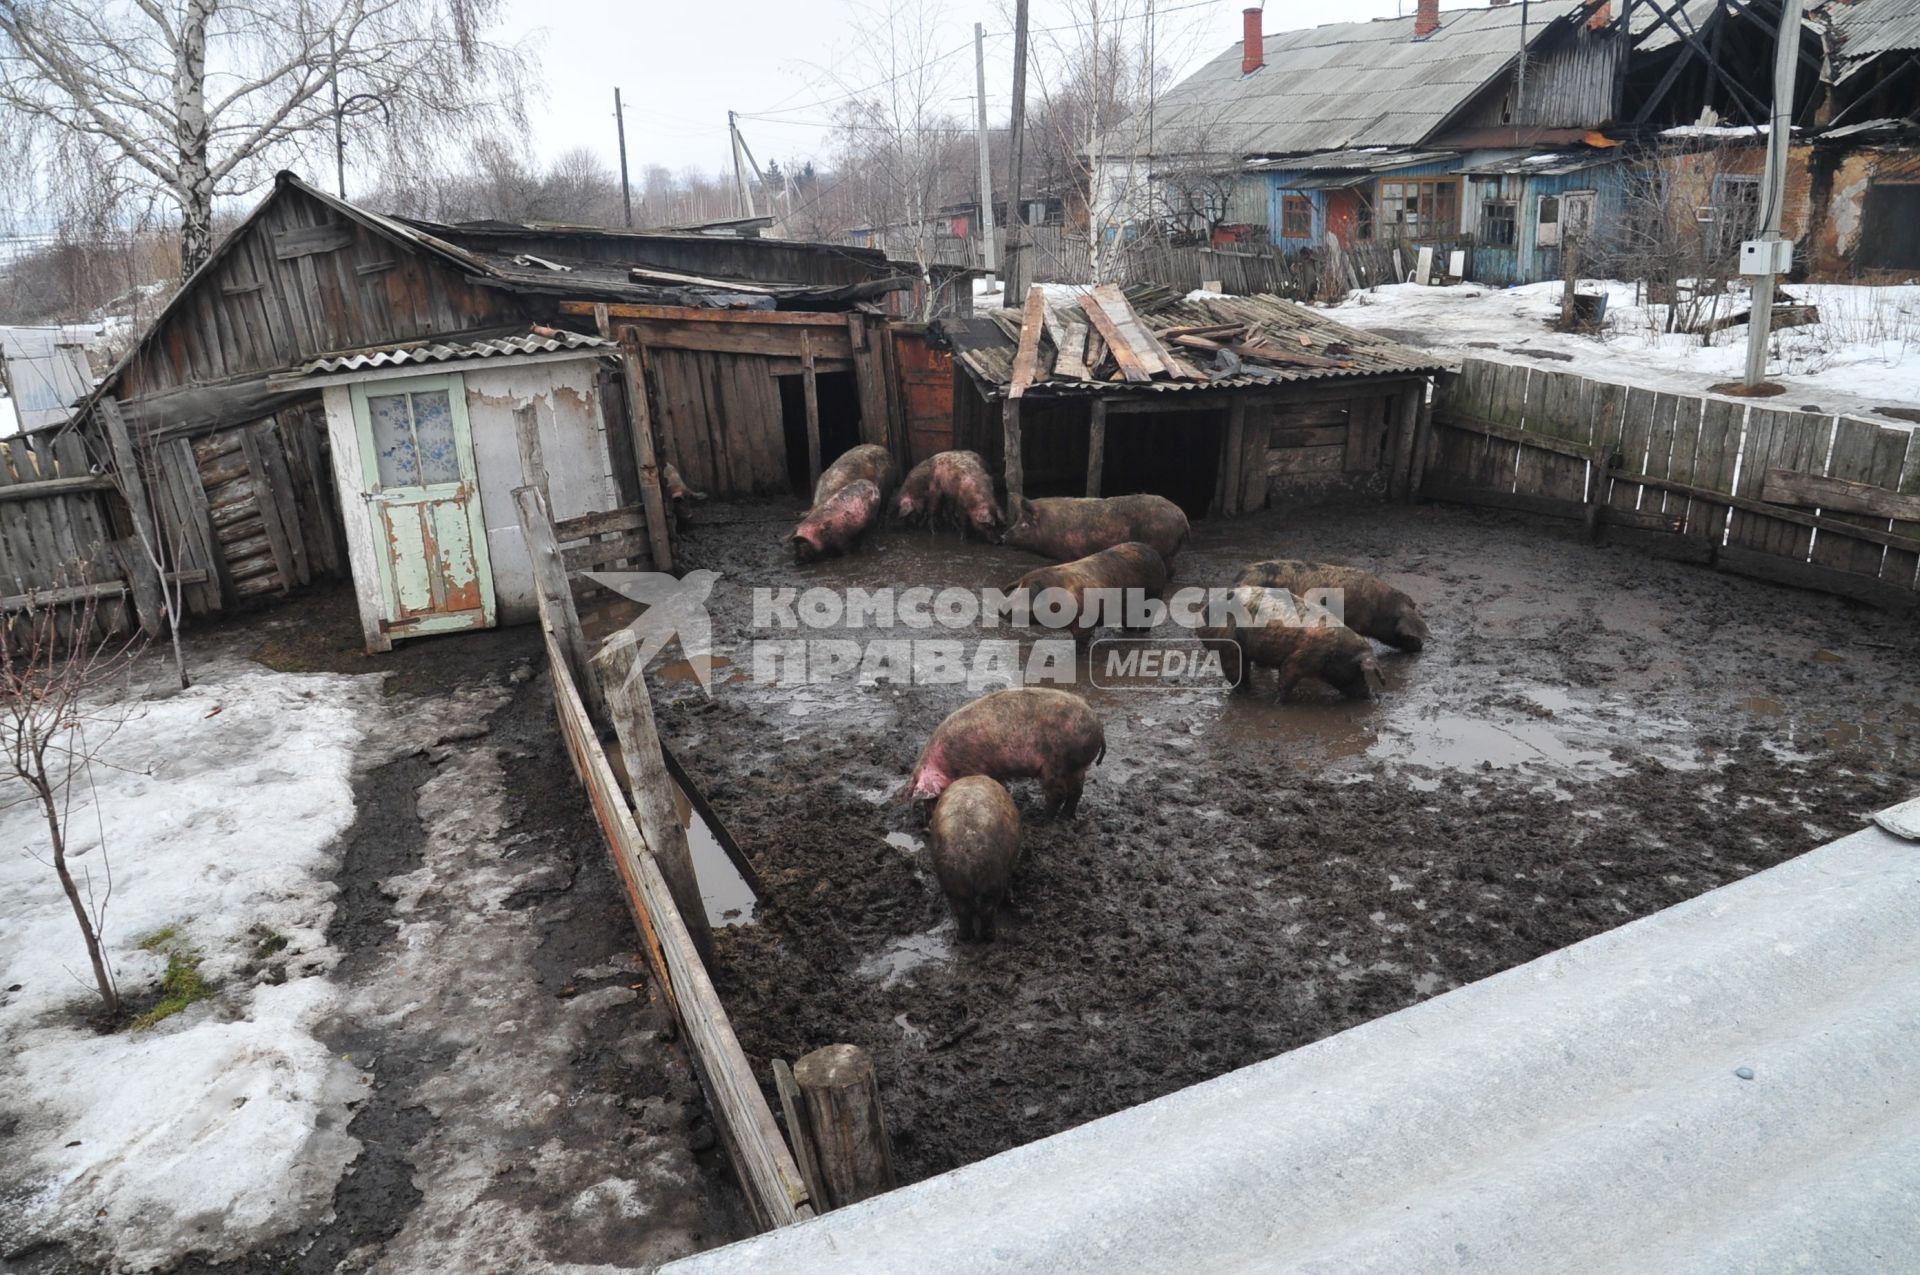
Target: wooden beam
{"points": [[1070, 346], [1096, 444], [1526, 438], [811, 389], [150, 605], [1406, 433], [793, 1110], [1112, 303], [50, 488], [265, 497], [1123, 355], [533, 463], [1787, 487], [1230, 461], [766, 342], [1026, 358], [1010, 434], [841, 1094], [688, 314], [640, 417], [550, 578]]}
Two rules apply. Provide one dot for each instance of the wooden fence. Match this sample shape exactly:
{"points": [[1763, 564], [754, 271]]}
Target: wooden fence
{"points": [[648, 846], [1824, 502], [57, 546]]}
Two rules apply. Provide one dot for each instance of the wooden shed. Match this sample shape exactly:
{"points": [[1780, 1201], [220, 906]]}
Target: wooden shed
{"points": [[1218, 404]]}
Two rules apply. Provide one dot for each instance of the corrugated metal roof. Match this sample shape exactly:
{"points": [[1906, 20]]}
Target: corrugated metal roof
{"points": [[982, 348], [1866, 29], [456, 351], [1350, 84], [1550, 165], [1656, 34], [1729, 1085], [1369, 159]]}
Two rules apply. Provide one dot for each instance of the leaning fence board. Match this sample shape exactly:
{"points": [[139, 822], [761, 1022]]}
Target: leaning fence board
{"points": [[1858, 456]]}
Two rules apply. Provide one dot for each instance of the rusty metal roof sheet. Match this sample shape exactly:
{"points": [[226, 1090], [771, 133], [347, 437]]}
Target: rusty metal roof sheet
{"points": [[545, 341], [1348, 84], [984, 349], [1863, 31]]}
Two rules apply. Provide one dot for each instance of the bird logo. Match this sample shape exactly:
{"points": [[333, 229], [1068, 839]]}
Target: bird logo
{"points": [[675, 608]]}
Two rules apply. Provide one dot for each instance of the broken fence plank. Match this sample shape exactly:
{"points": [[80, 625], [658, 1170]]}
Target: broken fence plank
{"points": [[1841, 495]]}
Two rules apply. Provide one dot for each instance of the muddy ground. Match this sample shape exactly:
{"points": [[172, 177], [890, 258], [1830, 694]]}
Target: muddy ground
{"points": [[1593, 735]]}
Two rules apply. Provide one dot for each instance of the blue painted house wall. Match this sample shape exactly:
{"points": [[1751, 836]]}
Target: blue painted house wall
{"points": [[1285, 182], [1527, 260]]}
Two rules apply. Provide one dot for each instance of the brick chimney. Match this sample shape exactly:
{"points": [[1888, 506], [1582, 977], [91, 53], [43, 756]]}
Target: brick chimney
{"points": [[1426, 20], [1601, 16], [1253, 51]]}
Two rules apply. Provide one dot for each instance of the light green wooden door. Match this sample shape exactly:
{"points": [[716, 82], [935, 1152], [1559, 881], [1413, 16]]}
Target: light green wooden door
{"points": [[416, 456]]}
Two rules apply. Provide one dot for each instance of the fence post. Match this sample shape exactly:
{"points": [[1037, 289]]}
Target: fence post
{"points": [[550, 583], [146, 584], [849, 1131]]}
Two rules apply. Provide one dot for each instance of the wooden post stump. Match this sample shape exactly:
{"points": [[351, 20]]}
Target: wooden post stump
{"points": [[847, 1128]]}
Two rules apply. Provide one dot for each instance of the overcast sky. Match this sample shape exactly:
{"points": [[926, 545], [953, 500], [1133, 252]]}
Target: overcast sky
{"points": [[682, 66]]}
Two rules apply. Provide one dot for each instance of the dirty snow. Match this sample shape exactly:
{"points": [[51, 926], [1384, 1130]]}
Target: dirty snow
{"points": [[215, 809], [1863, 354]]}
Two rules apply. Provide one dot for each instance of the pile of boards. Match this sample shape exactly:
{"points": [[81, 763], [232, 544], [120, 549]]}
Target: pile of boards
{"points": [[1104, 338]]}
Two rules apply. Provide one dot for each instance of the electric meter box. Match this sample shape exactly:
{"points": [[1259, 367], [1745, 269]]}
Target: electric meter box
{"points": [[1766, 256]]}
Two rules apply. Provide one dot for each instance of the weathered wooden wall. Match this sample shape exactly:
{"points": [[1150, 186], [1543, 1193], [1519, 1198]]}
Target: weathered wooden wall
{"points": [[57, 536], [1823, 502]]}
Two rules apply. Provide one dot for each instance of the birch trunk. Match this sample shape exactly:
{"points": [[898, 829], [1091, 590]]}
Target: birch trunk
{"points": [[194, 176]]}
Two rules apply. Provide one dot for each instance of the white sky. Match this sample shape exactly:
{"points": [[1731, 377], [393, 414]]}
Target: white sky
{"points": [[682, 66]]}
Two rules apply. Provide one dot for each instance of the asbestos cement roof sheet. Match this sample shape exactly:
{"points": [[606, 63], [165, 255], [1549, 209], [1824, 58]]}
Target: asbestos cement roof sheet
{"points": [[1864, 30], [540, 341], [1349, 84], [1730, 1085]]}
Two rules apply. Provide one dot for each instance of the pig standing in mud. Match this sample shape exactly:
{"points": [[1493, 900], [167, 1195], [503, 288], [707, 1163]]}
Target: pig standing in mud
{"points": [[1128, 568], [1030, 733], [1068, 527], [836, 525], [1296, 638], [869, 461], [1373, 608], [951, 486], [974, 840], [680, 497]]}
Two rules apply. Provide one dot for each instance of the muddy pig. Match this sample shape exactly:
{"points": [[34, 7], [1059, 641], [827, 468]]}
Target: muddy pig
{"points": [[1128, 567], [1304, 641], [835, 526], [951, 487], [1030, 733], [975, 841], [680, 497], [869, 461], [1068, 527], [1374, 608]]}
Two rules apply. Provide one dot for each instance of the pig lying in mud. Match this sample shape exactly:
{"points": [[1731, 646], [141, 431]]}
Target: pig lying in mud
{"points": [[952, 487], [869, 461], [1129, 568], [1296, 638], [974, 839], [1374, 608], [680, 497], [1068, 527], [1029, 733], [836, 525]]}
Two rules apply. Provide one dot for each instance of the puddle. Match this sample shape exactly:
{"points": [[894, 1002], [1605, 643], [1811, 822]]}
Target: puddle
{"points": [[691, 671], [728, 898], [905, 955]]}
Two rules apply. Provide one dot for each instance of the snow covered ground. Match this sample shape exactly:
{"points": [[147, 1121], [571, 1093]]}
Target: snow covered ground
{"points": [[9, 423], [214, 809], [1863, 354]]}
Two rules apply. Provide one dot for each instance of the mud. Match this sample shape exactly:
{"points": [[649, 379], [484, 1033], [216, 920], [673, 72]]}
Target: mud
{"points": [[1592, 735]]}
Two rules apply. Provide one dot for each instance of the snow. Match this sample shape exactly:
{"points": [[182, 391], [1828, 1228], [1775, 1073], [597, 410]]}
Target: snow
{"points": [[9, 423], [1863, 354], [225, 1123]]}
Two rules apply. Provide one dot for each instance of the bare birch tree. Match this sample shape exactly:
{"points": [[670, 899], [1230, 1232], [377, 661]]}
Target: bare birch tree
{"points": [[198, 99]]}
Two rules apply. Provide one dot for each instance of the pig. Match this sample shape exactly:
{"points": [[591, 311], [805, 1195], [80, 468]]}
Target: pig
{"points": [[1373, 608], [836, 525], [1027, 733], [954, 487], [974, 839], [680, 497], [869, 461], [1300, 641], [1068, 527], [1129, 567]]}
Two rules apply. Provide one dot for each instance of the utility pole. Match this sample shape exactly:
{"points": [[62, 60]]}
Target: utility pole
{"points": [[990, 257], [1763, 260], [742, 193], [626, 187], [1018, 268]]}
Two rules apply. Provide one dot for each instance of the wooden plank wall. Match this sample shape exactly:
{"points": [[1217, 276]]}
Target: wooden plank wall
{"points": [[1703, 471], [1311, 437], [56, 535]]}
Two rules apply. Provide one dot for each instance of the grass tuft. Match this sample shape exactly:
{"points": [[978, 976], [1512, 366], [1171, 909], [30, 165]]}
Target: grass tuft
{"points": [[181, 985]]}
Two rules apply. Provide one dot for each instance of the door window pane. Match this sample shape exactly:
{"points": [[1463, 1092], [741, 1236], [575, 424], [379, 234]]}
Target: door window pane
{"points": [[393, 440], [433, 432]]}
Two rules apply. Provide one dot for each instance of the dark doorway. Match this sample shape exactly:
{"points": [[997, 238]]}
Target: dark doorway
{"points": [[1890, 228], [1053, 446], [1172, 454], [839, 422]]}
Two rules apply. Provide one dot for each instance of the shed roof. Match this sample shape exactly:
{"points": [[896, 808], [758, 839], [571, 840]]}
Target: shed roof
{"points": [[1349, 84], [1864, 30], [538, 341]]}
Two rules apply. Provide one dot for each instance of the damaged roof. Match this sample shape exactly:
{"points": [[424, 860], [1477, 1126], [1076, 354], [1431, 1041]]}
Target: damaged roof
{"points": [[538, 341], [1274, 342], [1864, 30], [1349, 84]]}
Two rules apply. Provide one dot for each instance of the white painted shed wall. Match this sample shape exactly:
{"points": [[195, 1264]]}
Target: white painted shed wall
{"points": [[1582, 1113]]}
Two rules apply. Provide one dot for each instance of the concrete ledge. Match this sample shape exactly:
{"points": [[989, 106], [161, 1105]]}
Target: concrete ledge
{"points": [[1586, 1112]]}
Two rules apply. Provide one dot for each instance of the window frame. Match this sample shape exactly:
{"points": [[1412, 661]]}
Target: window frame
{"points": [[1427, 195], [1293, 205]]}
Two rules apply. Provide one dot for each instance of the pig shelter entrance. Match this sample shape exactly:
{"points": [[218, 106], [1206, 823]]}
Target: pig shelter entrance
{"points": [[839, 399], [1171, 454]]}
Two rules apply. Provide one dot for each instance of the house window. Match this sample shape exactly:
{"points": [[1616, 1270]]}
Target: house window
{"points": [[1497, 223], [1890, 227], [1421, 209], [1736, 211], [1563, 217], [1296, 217]]}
